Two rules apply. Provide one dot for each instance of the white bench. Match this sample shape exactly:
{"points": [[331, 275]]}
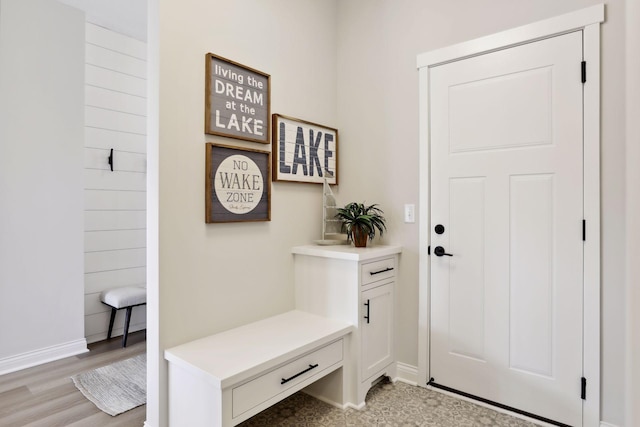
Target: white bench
{"points": [[226, 378], [125, 297]]}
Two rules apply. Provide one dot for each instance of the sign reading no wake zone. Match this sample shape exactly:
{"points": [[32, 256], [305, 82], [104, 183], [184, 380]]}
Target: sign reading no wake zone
{"points": [[238, 184], [237, 100], [304, 151]]}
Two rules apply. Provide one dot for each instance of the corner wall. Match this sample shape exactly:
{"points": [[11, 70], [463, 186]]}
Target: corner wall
{"points": [[41, 182]]}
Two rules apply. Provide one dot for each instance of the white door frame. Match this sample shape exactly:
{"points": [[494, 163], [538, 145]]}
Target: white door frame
{"points": [[588, 20]]}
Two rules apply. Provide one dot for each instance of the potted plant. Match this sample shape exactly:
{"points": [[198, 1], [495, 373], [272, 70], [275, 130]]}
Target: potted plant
{"points": [[360, 222]]}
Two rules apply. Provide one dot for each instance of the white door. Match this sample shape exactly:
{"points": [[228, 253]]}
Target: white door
{"points": [[507, 189]]}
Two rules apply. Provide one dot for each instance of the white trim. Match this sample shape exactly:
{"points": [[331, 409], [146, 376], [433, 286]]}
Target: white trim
{"points": [[588, 20], [424, 280], [407, 374], [525, 34], [43, 355], [157, 375], [632, 227], [591, 168], [603, 424], [327, 400]]}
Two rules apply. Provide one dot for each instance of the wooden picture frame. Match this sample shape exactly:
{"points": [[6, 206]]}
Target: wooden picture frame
{"points": [[237, 100], [304, 151], [238, 184]]}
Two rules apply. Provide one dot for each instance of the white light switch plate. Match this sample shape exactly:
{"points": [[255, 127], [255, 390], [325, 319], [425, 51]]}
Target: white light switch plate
{"points": [[409, 213]]}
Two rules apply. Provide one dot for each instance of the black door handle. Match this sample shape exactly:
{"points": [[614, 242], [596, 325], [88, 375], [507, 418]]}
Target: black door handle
{"points": [[439, 251], [368, 313]]}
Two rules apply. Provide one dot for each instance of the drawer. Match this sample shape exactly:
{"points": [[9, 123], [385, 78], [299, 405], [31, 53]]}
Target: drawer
{"points": [[263, 388], [378, 270]]}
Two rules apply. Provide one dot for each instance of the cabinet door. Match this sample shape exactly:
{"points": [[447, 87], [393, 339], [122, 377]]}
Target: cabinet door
{"points": [[377, 329]]}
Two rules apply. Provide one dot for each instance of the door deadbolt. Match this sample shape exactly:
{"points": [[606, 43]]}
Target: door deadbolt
{"points": [[439, 229]]}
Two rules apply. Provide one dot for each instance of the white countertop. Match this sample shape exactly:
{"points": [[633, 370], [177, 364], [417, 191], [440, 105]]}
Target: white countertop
{"points": [[347, 252], [237, 354]]}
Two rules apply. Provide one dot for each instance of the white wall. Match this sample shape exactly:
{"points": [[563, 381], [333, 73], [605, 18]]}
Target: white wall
{"points": [[128, 17], [217, 276], [377, 107], [114, 201], [41, 137]]}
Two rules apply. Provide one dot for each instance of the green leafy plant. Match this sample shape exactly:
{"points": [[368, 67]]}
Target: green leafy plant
{"points": [[357, 219]]}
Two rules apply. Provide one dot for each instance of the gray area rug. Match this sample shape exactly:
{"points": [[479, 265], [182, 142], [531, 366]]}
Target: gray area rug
{"points": [[116, 388]]}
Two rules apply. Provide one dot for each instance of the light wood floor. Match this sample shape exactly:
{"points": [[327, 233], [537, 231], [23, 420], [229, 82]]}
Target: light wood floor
{"points": [[44, 396]]}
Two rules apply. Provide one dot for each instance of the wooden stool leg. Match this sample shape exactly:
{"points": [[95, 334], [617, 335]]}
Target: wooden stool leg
{"points": [[113, 318], [127, 319]]}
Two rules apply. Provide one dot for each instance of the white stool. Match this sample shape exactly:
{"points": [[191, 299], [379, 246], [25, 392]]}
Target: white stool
{"points": [[125, 297]]}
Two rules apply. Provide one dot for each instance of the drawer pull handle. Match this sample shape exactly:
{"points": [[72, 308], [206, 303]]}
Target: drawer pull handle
{"points": [[368, 305], [373, 273], [298, 374]]}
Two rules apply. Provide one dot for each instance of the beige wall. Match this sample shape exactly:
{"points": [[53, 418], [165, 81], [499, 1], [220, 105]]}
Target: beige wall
{"points": [[217, 276], [351, 65], [377, 107]]}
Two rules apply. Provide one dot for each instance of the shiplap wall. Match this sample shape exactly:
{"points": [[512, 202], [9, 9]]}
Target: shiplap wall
{"points": [[115, 202]]}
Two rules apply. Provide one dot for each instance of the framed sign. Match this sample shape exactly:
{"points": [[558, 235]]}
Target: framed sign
{"points": [[238, 184], [237, 100], [304, 151]]}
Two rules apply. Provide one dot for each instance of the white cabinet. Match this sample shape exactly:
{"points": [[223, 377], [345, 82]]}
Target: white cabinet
{"points": [[356, 285], [226, 378], [376, 329]]}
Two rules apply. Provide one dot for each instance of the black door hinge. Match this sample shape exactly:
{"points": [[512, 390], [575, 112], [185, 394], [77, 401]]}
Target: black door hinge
{"points": [[583, 388], [429, 250], [583, 66], [584, 230]]}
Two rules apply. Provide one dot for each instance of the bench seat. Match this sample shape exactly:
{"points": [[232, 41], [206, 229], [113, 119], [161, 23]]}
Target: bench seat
{"points": [[226, 378], [125, 297]]}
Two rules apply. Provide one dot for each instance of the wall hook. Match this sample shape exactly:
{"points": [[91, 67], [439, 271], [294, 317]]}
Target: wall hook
{"points": [[111, 159]]}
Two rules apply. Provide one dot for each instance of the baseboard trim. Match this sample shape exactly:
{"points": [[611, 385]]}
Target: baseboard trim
{"points": [[325, 400], [41, 356], [407, 374], [117, 332], [603, 424]]}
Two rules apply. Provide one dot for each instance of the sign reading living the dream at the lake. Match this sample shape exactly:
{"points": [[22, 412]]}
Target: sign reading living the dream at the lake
{"points": [[304, 151], [238, 184], [236, 101]]}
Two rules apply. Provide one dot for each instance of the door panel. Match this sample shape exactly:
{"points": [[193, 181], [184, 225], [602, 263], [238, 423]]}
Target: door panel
{"points": [[489, 113], [531, 273], [466, 278], [506, 183]]}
